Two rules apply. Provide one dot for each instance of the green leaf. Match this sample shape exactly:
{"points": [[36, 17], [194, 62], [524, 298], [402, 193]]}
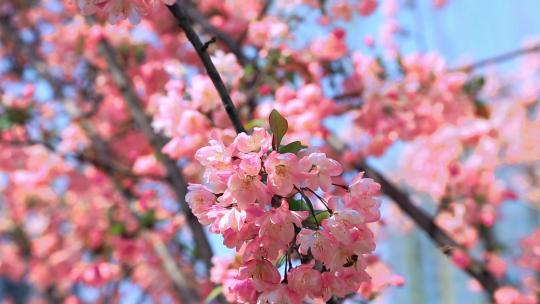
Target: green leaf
{"points": [[293, 147], [278, 126], [17, 116], [320, 215], [281, 261], [254, 123], [117, 229], [297, 205], [474, 85], [214, 294], [5, 123], [249, 70], [148, 219]]}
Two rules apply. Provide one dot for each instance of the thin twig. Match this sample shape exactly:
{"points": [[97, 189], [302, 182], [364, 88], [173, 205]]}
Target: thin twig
{"points": [[310, 205], [498, 58], [208, 43], [196, 16], [184, 22], [323, 201]]}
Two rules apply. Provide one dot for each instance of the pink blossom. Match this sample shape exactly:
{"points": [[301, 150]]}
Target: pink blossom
{"points": [[319, 170], [363, 198], [264, 275], [278, 224], [330, 48], [280, 295], [228, 67], [366, 7], [99, 273], [510, 295], [282, 171], [496, 265], [200, 200], [317, 242], [204, 94], [305, 280], [148, 165], [247, 189], [259, 141]]}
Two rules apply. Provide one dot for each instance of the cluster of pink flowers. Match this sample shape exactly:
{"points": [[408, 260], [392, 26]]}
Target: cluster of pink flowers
{"points": [[282, 209], [91, 242], [510, 295], [530, 257], [305, 108], [463, 183], [424, 98], [117, 10]]}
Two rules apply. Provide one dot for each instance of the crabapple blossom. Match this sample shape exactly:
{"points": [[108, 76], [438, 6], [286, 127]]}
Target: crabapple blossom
{"points": [[282, 171], [319, 170], [120, 9], [266, 211]]}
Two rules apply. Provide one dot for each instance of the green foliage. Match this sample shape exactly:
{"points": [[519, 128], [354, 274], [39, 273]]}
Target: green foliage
{"points": [[278, 126], [318, 218], [474, 86], [214, 294], [281, 261], [13, 116], [117, 229], [293, 147], [297, 204], [5, 123], [249, 70], [148, 219], [250, 125]]}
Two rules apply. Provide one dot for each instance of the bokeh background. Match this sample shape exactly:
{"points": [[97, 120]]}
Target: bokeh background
{"points": [[461, 32]]}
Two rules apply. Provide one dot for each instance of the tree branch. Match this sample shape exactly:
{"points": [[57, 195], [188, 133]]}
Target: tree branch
{"points": [[194, 14], [445, 243], [174, 176], [184, 22], [498, 58]]}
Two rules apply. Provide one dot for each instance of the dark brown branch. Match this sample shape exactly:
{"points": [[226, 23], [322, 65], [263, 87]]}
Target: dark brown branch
{"points": [[176, 179], [185, 24], [348, 95], [196, 16], [445, 243], [498, 59], [207, 44]]}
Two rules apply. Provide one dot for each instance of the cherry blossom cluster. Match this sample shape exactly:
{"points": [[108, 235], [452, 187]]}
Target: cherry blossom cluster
{"points": [[422, 99], [280, 207], [117, 10], [90, 243]]}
